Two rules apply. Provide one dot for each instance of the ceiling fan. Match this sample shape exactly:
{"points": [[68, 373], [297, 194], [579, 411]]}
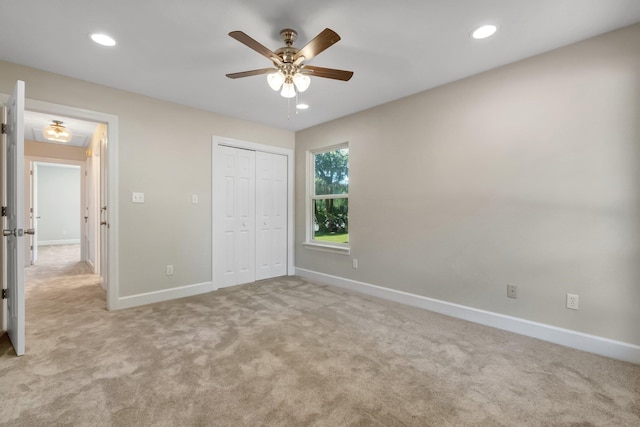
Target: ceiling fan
{"points": [[289, 72]]}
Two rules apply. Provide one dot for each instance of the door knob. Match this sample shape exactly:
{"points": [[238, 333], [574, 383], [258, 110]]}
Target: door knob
{"points": [[103, 222], [8, 233], [30, 231]]}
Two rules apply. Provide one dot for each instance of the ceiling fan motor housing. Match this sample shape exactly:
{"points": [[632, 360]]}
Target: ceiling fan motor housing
{"points": [[287, 52]]}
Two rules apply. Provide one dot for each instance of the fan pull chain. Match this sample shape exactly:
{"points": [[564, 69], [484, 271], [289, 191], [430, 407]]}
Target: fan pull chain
{"points": [[295, 107]]}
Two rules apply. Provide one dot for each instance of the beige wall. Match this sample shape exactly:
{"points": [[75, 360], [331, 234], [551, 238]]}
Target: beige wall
{"points": [[528, 174], [165, 152]]}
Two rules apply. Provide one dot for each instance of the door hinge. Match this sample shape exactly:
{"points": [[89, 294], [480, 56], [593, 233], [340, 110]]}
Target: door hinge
{"points": [[4, 128], [4, 211], [5, 294]]}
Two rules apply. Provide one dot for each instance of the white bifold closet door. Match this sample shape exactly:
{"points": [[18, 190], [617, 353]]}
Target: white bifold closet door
{"points": [[271, 215], [250, 216]]}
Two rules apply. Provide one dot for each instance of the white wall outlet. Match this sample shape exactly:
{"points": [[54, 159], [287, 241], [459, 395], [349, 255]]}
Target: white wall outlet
{"points": [[573, 301], [169, 270], [512, 291], [354, 263], [194, 199], [137, 197]]}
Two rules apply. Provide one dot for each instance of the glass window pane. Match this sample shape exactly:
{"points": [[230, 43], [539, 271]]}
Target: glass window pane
{"points": [[331, 220], [332, 172]]}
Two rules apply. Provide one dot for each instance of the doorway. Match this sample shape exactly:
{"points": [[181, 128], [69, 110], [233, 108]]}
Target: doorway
{"points": [[62, 186], [99, 237], [55, 194]]}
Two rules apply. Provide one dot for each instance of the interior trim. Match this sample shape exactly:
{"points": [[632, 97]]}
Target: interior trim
{"points": [[163, 295]]}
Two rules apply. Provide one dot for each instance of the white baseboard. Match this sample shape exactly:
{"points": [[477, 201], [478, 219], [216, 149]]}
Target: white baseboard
{"points": [[566, 337], [163, 295], [58, 242]]}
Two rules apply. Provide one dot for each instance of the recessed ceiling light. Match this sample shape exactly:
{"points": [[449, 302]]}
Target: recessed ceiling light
{"points": [[484, 32], [302, 106], [103, 39]]}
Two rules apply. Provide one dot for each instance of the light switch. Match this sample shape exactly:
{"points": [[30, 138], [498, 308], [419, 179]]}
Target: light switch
{"points": [[194, 199], [137, 197]]}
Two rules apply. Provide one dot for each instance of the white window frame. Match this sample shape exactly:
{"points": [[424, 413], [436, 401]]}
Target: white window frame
{"points": [[310, 243]]}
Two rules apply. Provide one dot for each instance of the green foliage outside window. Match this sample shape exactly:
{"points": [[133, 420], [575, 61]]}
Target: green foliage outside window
{"points": [[331, 210]]}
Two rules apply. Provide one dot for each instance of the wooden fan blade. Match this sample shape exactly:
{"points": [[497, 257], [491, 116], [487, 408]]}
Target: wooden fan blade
{"points": [[251, 73], [321, 42], [329, 73], [248, 41]]}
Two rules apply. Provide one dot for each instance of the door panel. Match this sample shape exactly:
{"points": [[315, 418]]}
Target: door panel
{"points": [[234, 210], [15, 254], [279, 222], [271, 215]]}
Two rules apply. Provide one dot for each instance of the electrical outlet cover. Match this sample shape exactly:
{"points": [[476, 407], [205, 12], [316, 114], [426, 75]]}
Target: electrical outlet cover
{"points": [[573, 301]]}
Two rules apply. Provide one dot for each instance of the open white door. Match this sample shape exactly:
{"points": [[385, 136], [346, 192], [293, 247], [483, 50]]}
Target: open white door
{"points": [[104, 216], [14, 231]]}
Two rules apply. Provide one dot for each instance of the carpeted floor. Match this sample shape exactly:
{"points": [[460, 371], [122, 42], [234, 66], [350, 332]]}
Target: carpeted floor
{"points": [[288, 352]]}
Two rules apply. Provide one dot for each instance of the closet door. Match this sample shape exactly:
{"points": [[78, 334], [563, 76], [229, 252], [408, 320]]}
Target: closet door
{"points": [[234, 240], [271, 215]]}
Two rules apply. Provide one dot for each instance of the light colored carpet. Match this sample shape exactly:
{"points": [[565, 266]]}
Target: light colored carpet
{"points": [[288, 352]]}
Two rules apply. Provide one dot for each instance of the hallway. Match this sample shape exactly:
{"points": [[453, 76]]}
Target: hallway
{"points": [[56, 264]]}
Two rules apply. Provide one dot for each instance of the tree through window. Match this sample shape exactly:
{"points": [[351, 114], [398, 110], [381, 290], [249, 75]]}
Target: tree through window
{"points": [[330, 196]]}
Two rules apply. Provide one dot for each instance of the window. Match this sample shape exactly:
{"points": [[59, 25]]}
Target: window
{"points": [[328, 219]]}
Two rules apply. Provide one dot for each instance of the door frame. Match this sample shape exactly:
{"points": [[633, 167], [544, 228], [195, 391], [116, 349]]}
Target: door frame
{"points": [[112, 180], [216, 142]]}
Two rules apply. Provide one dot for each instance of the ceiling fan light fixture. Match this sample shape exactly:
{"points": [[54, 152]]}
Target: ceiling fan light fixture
{"points": [[275, 80], [484, 32], [56, 132], [301, 81], [288, 90]]}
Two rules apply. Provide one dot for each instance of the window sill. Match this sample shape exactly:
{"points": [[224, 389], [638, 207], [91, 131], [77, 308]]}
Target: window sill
{"points": [[342, 250]]}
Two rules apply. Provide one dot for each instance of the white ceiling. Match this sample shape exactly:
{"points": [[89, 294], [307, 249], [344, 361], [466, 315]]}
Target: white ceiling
{"points": [[81, 131], [180, 51]]}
